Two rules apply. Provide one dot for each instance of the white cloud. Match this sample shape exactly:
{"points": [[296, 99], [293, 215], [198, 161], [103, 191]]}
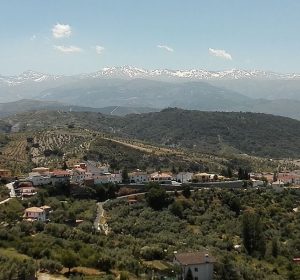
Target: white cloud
{"points": [[99, 49], [164, 47], [61, 31], [220, 53], [69, 49], [33, 37]]}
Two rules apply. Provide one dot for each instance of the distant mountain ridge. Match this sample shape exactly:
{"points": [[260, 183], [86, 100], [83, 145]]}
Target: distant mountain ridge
{"points": [[133, 87], [27, 105], [131, 72]]}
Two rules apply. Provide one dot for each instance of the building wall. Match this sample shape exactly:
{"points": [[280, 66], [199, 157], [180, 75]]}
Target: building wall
{"points": [[5, 173], [200, 272], [36, 215]]}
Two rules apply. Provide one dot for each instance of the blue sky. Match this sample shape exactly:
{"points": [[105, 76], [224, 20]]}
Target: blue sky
{"points": [[76, 36]]}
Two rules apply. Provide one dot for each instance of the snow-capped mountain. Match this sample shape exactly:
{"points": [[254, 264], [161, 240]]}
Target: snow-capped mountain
{"points": [[194, 74], [130, 72], [28, 76]]}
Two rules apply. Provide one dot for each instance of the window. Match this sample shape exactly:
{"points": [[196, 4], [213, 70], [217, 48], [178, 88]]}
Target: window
{"points": [[196, 278], [196, 269]]}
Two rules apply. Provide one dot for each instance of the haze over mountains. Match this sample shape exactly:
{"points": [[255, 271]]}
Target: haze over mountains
{"points": [[232, 90]]}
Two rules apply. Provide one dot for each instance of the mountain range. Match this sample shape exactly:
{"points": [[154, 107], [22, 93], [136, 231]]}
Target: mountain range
{"points": [[132, 87]]}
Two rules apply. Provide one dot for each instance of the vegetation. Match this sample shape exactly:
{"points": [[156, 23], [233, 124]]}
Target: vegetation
{"points": [[253, 234], [252, 133]]}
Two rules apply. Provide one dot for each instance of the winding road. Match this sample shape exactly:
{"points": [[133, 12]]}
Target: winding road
{"points": [[12, 193], [99, 223]]}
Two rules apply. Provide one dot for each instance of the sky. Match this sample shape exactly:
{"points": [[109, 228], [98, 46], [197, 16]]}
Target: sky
{"points": [[81, 36]]}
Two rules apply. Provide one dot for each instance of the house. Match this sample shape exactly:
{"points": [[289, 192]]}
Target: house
{"points": [[35, 214], [27, 191], [200, 265], [289, 177], [79, 175], [184, 177], [46, 208], [257, 183], [5, 173], [138, 177], [108, 178], [38, 179], [41, 170], [278, 186], [60, 176], [201, 177], [96, 168], [160, 177]]}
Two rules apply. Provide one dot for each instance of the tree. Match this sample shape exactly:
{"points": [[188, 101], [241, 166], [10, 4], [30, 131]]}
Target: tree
{"points": [[69, 259], [157, 197], [189, 275], [252, 233], [125, 176], [65, 166], [186, 192], [176, 209], [275, 248], [50, 265]]}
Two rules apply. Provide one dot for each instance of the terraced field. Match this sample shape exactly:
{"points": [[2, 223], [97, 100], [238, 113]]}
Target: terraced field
{"points": [[63, 144]]}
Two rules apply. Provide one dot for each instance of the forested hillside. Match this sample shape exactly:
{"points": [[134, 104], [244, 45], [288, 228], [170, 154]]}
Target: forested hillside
{"points": [[211, 132], [251, 133]]}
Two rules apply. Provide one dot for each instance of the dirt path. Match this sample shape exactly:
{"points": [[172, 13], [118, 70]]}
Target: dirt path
{"points": [[100, 222]]}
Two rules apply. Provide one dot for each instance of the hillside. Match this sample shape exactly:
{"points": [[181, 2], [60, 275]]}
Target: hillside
{"points": [[251, 133], [209, 132], [27, 105]]}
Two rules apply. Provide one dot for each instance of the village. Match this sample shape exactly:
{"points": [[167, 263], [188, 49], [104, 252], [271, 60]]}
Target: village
{"points": [[91, 173], [199, 264]]}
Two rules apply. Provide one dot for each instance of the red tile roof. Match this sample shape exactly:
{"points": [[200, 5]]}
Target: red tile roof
{"points": [[59, 172], [194, 258]]}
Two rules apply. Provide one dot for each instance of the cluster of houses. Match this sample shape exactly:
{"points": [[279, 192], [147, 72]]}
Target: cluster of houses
{"points": [[277, 180], [93, 173], [82, 173]]}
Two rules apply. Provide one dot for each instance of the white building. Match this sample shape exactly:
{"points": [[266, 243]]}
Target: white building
{"points": [[199, 264], [278, 186], [60, 176], [35, 213], [138, 177], [96, 168], [79, 175], [39, 180], [184, 177], [108, 178], [160, 176], [257, 183]]}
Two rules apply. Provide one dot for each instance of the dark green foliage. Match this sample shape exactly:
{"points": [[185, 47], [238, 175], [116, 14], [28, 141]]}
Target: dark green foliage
{"points": [[152, 253], [125, 177], [13, 268], [50, 265], [69, 259], [189, 275], [226, 270], [177, 209], [252, 232], [65, 166], [157, 197], [243, 174], [186, 192], [275, 247]]}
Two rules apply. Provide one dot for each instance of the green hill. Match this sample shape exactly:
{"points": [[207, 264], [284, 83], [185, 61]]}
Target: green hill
{"points": [[252, 133], [209, 132]]}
